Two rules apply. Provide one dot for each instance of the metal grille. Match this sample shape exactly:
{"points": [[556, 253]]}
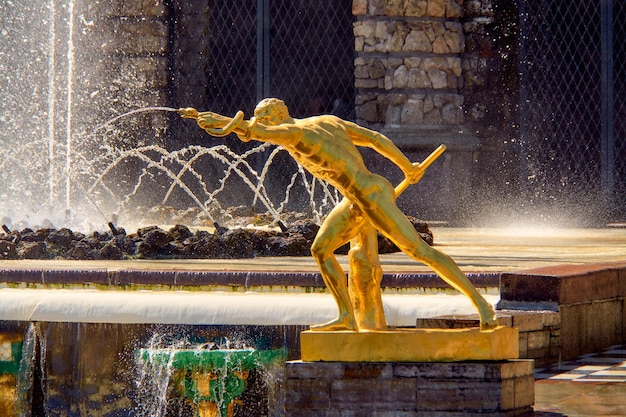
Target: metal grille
{"points": [[290, 49], [619, 34], [232, 52], [566, 123], [228, 55], [312, 56]]}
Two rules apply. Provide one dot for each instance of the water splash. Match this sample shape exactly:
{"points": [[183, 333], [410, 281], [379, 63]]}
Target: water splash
{"points": [[203, 374], [112, 180], [153, 380], [69, 114]]}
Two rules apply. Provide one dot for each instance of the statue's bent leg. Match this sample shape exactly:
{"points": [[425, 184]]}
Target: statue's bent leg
{"points": [[364, 280], [392, 223], [336, 230]]}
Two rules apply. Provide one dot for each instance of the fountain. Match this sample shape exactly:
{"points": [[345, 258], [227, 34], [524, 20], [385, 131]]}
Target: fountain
{"points": [[87, 159], [211, 379], [82, 324]]}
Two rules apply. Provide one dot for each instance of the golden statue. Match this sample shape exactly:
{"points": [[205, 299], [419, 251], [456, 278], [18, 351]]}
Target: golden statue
{"points": [[327, 147]]}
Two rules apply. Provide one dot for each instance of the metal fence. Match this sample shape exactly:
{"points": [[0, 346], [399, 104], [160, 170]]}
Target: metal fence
{"points": [[227, 55], [572, 110], [291, 49]]}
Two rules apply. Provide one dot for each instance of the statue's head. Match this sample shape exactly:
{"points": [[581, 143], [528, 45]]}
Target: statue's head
{"points": [[271, 112]]}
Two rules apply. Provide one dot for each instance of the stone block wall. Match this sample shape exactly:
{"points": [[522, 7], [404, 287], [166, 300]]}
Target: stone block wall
{"points": [[426, 72], [590, 299], [502, 388], [411, 69], [408, 67]]}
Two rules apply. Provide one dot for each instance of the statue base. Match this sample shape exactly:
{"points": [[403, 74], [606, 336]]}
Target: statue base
{"points": [[410, 345], [494, 388]]}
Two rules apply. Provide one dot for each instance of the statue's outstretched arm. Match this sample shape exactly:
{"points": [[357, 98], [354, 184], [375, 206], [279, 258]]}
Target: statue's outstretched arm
{"points": [[217, 125]]}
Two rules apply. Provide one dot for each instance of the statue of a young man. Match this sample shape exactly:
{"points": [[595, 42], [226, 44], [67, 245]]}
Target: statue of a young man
{"points": [[327, 147]]}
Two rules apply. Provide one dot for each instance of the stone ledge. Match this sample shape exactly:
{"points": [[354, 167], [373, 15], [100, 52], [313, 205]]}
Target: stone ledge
{"points": [[539, 331], [589, 298], [564, 284], [418, 137], [78, 275]]}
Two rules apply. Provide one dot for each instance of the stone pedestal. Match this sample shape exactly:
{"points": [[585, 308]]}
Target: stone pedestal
{"points": [[410, 345], [325, 389]]}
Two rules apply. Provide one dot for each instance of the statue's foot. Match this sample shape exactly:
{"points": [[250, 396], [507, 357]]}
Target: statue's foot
{"points": [[339, 323], [488, 319]]}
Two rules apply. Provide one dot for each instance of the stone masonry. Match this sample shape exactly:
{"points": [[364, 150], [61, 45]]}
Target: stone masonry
{"points": [[454, 389], [408, 62], [409, 79], [416, 63]]}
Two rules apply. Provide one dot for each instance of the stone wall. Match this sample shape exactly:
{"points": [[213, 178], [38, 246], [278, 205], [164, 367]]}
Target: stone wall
{"points": [[442, 71], [589, 298], [409, 78], [495, 388], [426, 72], [408, 67]]}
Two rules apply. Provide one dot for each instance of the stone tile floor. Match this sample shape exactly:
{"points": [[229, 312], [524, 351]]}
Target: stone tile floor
{"points": [[591, 385]]}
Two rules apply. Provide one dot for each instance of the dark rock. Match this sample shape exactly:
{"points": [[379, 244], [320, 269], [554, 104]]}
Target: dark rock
{"points": [[307, 228], [203, 245], [111, 251], [179, 241], [86, 248], [32, 250], [238, 243], [127, 243], [156, 237], [145, 250], [385, 245], [292, 245], [180, 232], [262, 245], [60, 239], [39, 235], [220, 230], [8, 249]]}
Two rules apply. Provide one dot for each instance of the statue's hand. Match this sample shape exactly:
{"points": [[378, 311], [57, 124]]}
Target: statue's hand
{"points": [[217, 125], [188, 113], [416, 173], [209, 119]]}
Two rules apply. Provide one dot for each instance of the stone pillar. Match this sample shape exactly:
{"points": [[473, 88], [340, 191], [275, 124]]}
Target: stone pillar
{"points": [[408, 79]]}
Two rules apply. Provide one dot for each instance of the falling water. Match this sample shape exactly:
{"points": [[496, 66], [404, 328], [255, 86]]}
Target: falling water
{"points": [[153, 380], [32, 369], [68, 118], [51, 99], [53, 163]]}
